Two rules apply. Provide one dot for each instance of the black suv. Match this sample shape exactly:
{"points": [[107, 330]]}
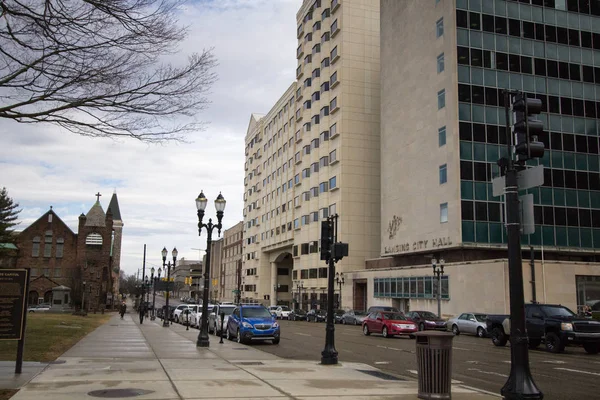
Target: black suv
{"points": [[316, 315], [554, 324]]}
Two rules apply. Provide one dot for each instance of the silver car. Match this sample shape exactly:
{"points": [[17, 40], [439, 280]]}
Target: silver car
{"points": [[354, 317], [468, 323]]}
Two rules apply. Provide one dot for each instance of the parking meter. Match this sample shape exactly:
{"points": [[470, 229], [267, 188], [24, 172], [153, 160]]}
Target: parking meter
{"points": [[222, 319]]}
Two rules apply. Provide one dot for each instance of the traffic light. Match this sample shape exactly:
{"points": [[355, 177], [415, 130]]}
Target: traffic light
{"points": [[527, 128], [326, 239], [340, 250]]}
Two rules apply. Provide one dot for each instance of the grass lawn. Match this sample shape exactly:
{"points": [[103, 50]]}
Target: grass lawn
{"points": [[50, 335]]}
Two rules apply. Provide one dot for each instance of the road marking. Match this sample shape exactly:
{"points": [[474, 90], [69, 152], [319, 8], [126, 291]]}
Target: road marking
{"points": [[414, 372], [472, 362], [554, 362], [389, 348], [460, 348], [481, 391], [301, 334], [381, 362], [578, 371], [488, 372]]}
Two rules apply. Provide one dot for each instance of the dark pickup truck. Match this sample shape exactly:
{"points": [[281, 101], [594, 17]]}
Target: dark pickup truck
{"points": [[555, 325]]}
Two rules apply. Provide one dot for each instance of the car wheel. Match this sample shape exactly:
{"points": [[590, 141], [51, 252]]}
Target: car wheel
{"points": [[238, 337], [176, 319], [455, 330], [228, 335], [343, 322], [553, 343], [276, 341], [355, 322], [498, 337], [421, 327], [480, 332], [366, 330], [591, 348], [384, 332]]}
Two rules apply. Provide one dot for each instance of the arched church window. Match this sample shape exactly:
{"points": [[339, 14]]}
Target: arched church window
{"points": [[35, 249]]}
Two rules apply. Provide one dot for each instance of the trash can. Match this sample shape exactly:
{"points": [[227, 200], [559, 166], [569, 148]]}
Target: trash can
{"points": [[434, 364]]}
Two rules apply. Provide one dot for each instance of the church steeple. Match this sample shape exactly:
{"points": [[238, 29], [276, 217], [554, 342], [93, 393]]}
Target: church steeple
{"points": [[113, 206]]}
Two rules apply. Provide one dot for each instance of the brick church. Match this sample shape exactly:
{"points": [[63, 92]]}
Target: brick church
{"points": [[88, 260]]}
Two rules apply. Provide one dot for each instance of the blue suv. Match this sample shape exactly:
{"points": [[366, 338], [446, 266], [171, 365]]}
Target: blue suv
{"points": [[249, 323]]}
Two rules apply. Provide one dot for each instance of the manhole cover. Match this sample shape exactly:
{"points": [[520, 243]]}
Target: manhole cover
{"points": [[379, 374], [250, 363], [118, 393]]}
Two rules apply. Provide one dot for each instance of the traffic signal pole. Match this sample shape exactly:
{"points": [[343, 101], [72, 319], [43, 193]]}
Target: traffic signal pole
{"points": [[520, 384]]}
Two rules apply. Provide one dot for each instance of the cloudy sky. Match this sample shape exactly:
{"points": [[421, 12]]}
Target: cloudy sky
{"points": [[42, 165]]}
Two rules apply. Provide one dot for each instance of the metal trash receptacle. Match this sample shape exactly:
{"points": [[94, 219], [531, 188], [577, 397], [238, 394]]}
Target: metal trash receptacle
{"points": [[434, 364]]}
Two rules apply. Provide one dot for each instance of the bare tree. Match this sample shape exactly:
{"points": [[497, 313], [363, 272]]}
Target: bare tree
{"points": [[98, 68]]}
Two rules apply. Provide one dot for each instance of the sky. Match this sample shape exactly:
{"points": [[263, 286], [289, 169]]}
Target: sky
{"points": [[42, 165]]}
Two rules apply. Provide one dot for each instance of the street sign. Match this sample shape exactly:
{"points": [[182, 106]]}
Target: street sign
{"points": [[527, 219], [526, 179], [13, 303]]}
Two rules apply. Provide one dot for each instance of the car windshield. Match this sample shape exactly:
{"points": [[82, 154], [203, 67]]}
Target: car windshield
{"points": [[557, 311], [285, 308], [339, 312], [360, 313], [227, 310], [256, 312], [300, 311], [428, 315], [480, 317], [393, 316]]}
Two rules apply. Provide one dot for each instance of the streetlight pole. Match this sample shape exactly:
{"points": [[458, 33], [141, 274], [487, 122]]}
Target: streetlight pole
{"points": [[300, 286], [167, 266], [339, 279], [201, 201], [154, 281], [438, 270], [275, 289], [83, 298]]}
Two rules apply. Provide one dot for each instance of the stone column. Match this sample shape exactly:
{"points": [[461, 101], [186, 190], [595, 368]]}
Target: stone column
{"points": [[273, 283]]}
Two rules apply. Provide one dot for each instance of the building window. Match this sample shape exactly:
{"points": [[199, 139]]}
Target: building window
{"points": [[410, 287], [333, 79], [444, 212], [48, 244], [442, 136], [332, 209], [325, 62], [333, 156], [57, 273], [304, 274], [35, 249], [441, 96], [322, 272], [304, 248], [332, 183], [94, 239], [333, 104], [312, 273], [60, 244], [324, 136], [439, 28], [440, 63], [323, 187], [443, 174]]}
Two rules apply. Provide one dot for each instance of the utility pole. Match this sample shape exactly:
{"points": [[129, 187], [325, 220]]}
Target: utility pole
{"points": [[142, 298]]}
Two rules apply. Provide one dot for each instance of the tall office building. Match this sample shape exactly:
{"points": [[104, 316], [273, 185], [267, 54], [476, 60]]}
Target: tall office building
{"points": [[314, 154], [444, 65]]}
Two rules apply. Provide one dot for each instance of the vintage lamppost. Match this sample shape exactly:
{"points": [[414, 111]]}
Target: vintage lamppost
{"points": [[201, 201], [147, 289], [339, 279], [438, 270], [154, 282], [168, 266]]}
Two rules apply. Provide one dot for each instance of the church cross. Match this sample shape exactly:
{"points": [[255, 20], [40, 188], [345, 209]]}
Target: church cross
{"points": [[98, 196]]}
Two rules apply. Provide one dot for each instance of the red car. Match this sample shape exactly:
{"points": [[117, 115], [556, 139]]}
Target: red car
{"points": [[388, 324]]}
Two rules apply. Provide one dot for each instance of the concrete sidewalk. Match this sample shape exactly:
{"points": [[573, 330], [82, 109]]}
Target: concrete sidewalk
{"points": [[123, 359]]}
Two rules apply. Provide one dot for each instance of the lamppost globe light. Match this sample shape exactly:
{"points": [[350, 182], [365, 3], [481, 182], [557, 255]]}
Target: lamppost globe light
{"points": [[164, 253], [201, 201], [220, 203], [174, 253]]}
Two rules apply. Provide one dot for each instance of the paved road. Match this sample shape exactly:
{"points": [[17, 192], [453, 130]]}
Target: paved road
{"points": [[476, 362]]}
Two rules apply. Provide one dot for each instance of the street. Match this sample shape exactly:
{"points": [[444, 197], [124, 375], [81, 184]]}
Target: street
{"points": [[476, 362]]}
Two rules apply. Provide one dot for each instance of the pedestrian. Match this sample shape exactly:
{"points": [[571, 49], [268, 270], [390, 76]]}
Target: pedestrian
{"points": [[587, 311], [123, 309]]}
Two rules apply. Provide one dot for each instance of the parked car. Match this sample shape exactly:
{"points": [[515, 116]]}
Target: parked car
{"points": [[297, 314], [468, 323], [214, 318], [252, 322], [316, 315], [160, 313], [39, 308], [282, 312], [555, 325], [382, 308], [196, 315], [337, 316], [426, 320], [177, 314], [388, 324], [354, 317], [273, 310]]}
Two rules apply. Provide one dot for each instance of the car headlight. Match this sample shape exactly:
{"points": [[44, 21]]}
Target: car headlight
{"points": [[566, 326], [247, 325], [275, 325]]}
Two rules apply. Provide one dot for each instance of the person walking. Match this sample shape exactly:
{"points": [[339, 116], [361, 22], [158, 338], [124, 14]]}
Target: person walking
{"points": [[123, 309]]}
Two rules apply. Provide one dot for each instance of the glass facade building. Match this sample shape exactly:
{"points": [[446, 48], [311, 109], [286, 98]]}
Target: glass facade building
{"points": [[549, 49]]}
